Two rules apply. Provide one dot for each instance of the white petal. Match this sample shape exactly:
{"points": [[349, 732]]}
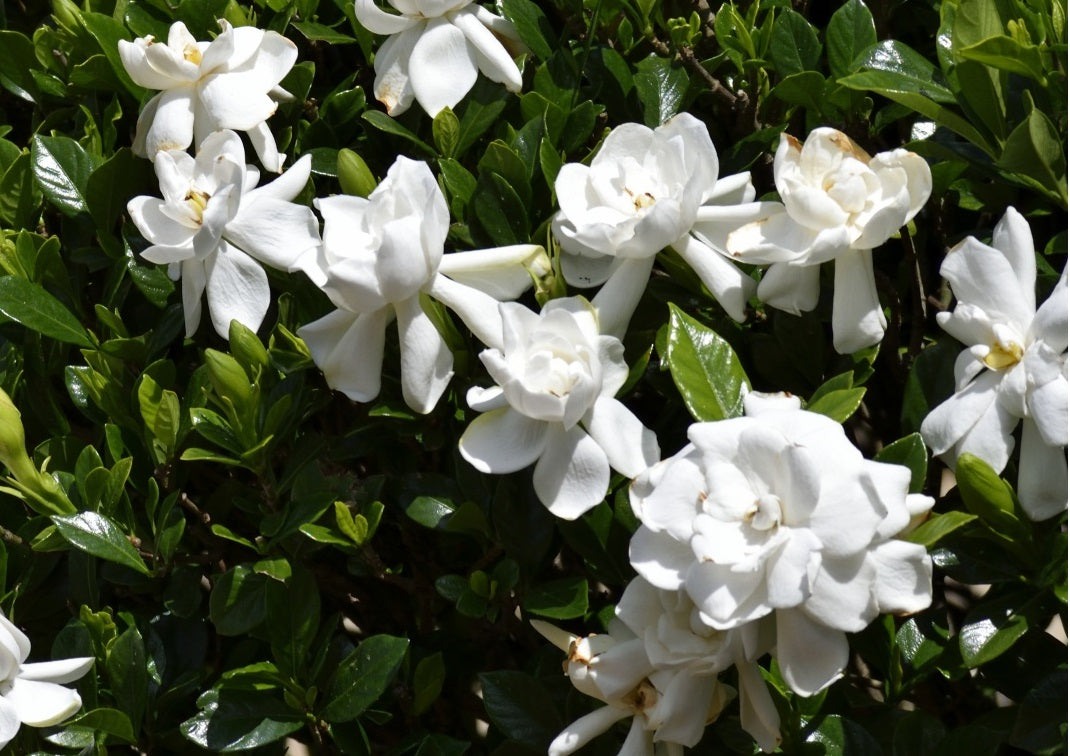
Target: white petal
{"points": [[572, 475], [1042, 475], [730, 286], [983, 276], [501, 272], [491, 57], [40, 704], [1048, 409], [791, 288], [479, 311], [16, 640], [486, 399], [135, 61], [728, 597], [59, 671], [757, 712], [376, 20], [264, 145], [589, 726], [811, 657], [276, 232], [1013, 237], [843, 593], [629, 445], [619, 296], [155, 226], [1050, 323], [194, 280], [904, 576], [682, 707], [674, 501], [426, 360], [393, 86], [237, 290], [172, 122], [348, 348], [503, 441], [584, 270], [442, 67], [232, 102], [9, 722], [857, 318], [659, 558]]}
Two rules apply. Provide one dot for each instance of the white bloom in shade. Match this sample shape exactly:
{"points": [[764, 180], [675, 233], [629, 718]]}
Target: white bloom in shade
{"points": [[838, 204], [213, 217], [32, 694], [554, 407], [1014, 367], [776, 513], [380, 255], [645, 190], [436, 50], [228, 83]]}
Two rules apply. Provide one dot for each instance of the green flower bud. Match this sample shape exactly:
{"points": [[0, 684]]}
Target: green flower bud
{"points": [[13, 440]]}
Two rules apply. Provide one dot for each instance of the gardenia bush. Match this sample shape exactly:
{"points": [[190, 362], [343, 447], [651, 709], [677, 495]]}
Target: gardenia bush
{"points": [[685, 297]]}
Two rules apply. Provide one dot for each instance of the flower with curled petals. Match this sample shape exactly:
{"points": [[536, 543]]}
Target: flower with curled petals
{"points": [[645, 190], [228, 83], [554, 406], [213, 221], [380, 255], [1014, 367], [776, 513], [435, 51], [32, 693], [837, 203]]}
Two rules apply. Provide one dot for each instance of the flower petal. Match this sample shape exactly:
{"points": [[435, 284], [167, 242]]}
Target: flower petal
{"points": [[393, 86], [619, 296], [660, 559], [266, 149], [857, 318], [904, 576], [491, 57], [983, 276], [479, 311], [9, 722], [278, 233], [503, 441], [237, 290], [171, 124], [730, 286], [233, 102], [40, 704], [501, 272], [348, 348], [1041, 475], [58, 671], [842, 593], [584, 729], [1050, 323], [1048, 409], [811, 657], [194, 279], [426, 359], [155, 226], [791, 288], [1013, 237], [442, 67], [376, 20], [757, 712], [629, 445], [15, 638], [572, 474]]}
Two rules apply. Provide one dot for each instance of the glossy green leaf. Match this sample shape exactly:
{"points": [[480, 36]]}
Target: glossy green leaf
{"points": [[794, 46], [446, 131], [909, 451], [557, 599], [237, 720], [111, 721], [236, 604], [62, 168], [521, 708], [427, 682], [990, 630], [20, 197], [849, 32], [1040, 726], [705, 369], [839, 405], [317, 32], [1007, 54], [99, 536], [661, 85], [364, 676], [128, 676], [992, 499], [107, 32], [386, 124], [532, 25], [841, 735], [1034, 149], [30, 305], [16, 62], [292, 619], [113, 183], [933, 530]]}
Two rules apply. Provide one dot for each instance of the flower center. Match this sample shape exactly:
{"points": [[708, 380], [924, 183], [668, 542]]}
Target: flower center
{"points": [[553, 373], [766, 513], [192, 54], [644, 697], [1002, 356], [197, 201]]}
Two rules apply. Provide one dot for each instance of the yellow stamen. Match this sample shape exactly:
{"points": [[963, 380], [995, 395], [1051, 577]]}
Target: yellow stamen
{"points": [[197, 200], [192, 54], [1000, 357]]}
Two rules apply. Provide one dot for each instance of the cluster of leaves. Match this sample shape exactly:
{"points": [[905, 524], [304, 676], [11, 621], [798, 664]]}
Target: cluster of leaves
{"points": [[252, 557]]}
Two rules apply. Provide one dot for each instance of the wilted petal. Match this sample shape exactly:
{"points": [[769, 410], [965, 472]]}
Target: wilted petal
{"points": [[1041, 475], [426, 359], [392, 85], [630, 446], [40, 704], [348, 348], [442, 67], [811, 657], [572, 475], [857, 318], [503, 441]]}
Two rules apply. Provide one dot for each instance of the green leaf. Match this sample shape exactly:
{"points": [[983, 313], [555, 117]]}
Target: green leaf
{"points": [[1040, 726], [930, 532], [1007, 54], [128, 676], [427, 682], [111, 721], [31, 306], [113, 183], [794, 46], [521, 708], [991, 629], [840, 735], [557, 599], [107, 32], [804, 88], [62, 170], [364, 676], [97, 535], [500, 211], [16, 62], [532, 26], [446, 130], [661, 87], [1034, 149], [237, 720], [380, 120], [236, 604], [293, 617], [908, 451], [839, 405], [992, 499], [354, 176], [849, 32], [20, 197], [316, 32], [705, 369]]}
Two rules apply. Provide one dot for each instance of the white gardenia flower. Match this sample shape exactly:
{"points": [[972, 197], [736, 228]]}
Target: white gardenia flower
{"points": [[213, 217], [228, 83], [1013, 369], [436, 50], [838, 204], [554, 407], [33, 694], [380, 255], [645, 190], [776, 513]]}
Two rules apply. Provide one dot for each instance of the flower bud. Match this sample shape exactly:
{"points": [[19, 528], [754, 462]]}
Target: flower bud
{"points": [[13, 439]]}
